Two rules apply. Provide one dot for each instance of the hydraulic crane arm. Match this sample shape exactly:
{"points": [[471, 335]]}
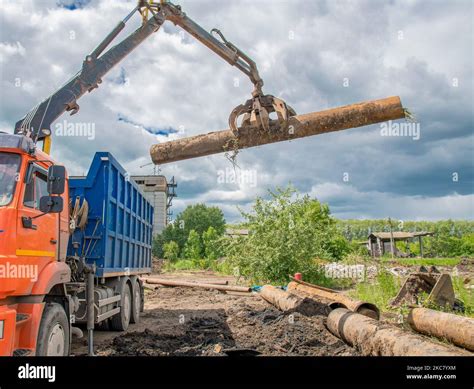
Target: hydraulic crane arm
{"points": [[37, 123]]}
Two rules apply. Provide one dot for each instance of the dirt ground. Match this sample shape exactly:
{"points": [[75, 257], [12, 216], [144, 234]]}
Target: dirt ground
{"points": [[192, 322]]}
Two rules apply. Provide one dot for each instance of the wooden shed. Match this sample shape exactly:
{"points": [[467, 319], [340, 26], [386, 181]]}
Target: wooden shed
{"points": [[380, 243]]}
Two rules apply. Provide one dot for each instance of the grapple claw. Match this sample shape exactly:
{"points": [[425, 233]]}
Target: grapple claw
{"points": [[281, 109], [256, 113], [242, 109]]}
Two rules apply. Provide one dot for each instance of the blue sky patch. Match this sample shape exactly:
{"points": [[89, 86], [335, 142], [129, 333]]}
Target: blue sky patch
{"points": [[151, 130], [73, 4]]}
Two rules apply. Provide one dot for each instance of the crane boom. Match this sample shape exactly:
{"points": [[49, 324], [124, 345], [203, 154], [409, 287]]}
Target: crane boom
{"points": [[36, 124]]}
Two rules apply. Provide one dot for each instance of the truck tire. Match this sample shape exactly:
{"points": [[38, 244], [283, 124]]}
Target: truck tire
{"points": [[136, 302], [53, 335], [120, 321]]}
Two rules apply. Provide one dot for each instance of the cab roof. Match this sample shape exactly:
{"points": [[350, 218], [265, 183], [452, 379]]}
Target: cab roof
{"points": [[13, 141]]}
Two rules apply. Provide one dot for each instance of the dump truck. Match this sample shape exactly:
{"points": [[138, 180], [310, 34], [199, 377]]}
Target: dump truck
{"points": [[71, 249]]}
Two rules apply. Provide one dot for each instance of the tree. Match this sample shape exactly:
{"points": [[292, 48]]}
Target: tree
{"points": [[211, 244], [467, 245], [172, 232], [198, 217], [171, 251], [193, 247], [286, 234]]}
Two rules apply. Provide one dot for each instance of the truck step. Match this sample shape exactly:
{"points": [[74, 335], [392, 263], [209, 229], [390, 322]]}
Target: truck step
{"points": [[22, 352], [22, 318]]}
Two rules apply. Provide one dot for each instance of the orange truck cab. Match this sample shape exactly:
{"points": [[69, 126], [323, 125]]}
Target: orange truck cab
{"points": [[40, 294]]}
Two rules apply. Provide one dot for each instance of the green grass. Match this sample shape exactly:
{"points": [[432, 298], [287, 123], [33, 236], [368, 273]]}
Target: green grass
{"points": [[386, 287], [356, 259], [182, 264], [380, 292], [351, 259], [465, 295], [423, 261], [198, 264]]}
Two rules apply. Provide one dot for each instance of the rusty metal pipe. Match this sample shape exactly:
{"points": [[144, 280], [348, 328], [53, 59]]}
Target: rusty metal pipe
{"points": [[213, 282], [335, 299], [199, 281], [300, 126], [288, 302], [454, 328], [284, 301], [232, 288], [371, 337]]}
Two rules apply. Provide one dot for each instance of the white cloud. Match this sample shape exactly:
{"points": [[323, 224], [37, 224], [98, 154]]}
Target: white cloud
{"points": [[7, 50], [349, 203], [304, 49]]}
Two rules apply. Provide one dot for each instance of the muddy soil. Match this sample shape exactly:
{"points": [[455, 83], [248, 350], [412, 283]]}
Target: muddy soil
{"points": [[193, 322]]}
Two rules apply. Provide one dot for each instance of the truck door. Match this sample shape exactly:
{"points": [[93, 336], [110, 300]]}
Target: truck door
{"points": [[37, 245]]}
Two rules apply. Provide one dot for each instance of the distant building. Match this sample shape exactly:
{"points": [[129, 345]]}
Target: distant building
{"points": [[380, 243], [235, 233], [160, 193]]}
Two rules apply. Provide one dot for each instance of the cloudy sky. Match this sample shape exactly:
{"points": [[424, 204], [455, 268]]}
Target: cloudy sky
{"points": [[314, 54]]}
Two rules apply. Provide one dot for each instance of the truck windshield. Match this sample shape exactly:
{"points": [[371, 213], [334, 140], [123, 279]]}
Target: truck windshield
{"points": [[9, 166]]}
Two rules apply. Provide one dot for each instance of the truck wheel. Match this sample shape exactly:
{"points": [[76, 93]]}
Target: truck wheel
{"points": [[120, 321], [53, 335], [136, 303]]}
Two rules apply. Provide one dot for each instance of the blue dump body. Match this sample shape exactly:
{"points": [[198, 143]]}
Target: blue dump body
{"points": [[118, 233]]}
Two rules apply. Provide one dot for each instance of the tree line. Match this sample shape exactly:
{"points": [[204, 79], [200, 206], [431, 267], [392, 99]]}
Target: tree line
{"points": [[287, 232]]}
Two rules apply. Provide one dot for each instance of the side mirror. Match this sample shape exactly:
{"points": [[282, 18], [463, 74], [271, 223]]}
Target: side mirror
{"points": [[51, 204], [56, 180]]}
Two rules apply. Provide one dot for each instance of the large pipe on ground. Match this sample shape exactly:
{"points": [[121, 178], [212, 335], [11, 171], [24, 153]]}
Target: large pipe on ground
{"points": [[334, 298], [300, 126], [456, 329], [201, 281], [213, 282], [288, 302], [279, 298], [371, 337], [231, 288]]}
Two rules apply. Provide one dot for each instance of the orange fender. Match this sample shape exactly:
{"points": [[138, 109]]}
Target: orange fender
{"points": [[54, 273]]}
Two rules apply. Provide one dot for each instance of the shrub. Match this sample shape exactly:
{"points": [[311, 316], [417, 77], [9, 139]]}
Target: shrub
{"points": [[210, 240], [198, 217], [171, 251], [193, 248], [286, 234]]}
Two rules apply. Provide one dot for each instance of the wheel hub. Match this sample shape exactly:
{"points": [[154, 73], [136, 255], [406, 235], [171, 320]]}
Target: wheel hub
{"points": [[56, 341]]}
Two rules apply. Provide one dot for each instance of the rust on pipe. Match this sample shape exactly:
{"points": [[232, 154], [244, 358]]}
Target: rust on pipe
{"points": [[288, 302], [454, 328], [284, 301], [211, 282], [300, 126], [371, 337], [313, 285], [232, 288], [336, 299]]}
